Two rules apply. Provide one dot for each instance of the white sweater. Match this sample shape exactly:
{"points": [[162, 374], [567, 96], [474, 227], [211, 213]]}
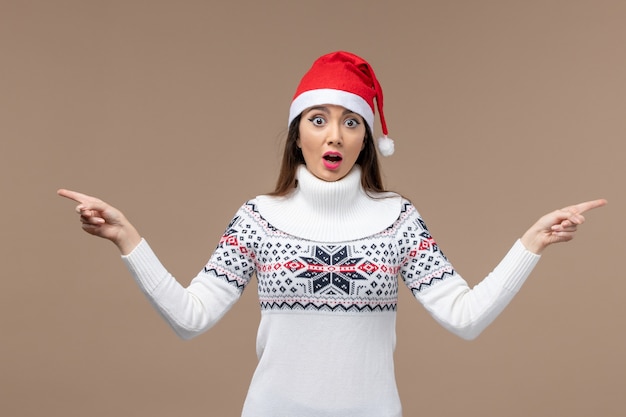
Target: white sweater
{"points": [[327, 260]]}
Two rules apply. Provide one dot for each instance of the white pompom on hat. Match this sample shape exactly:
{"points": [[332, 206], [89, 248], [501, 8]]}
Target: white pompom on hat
{"points": [[343, 79]]}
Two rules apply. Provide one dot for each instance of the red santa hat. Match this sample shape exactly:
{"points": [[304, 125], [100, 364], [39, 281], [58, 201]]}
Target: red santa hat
{"points": [[343, 79]]}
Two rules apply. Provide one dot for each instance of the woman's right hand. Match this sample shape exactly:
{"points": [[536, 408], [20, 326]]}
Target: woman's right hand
{"points": [[103, 220]]}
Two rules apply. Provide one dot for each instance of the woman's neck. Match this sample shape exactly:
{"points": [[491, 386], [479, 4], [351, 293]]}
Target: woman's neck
{"points": [[330, 211]]}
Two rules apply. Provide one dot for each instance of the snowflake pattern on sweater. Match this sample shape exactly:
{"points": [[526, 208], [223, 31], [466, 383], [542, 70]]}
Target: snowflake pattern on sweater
{"points": [[353, 276]]}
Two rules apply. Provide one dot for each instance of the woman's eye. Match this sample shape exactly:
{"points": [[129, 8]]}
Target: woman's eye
{"points": [[317, 120], [351, 123]]}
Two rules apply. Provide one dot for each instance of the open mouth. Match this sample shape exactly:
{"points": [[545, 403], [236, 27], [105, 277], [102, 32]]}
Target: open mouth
{"points": [[332, 160]]}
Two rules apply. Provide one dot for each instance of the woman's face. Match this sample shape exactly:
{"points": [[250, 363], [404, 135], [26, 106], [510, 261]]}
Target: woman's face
{"points": [[331, 139]]}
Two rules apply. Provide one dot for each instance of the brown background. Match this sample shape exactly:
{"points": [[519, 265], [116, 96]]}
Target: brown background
{"points": [[175, 111]]}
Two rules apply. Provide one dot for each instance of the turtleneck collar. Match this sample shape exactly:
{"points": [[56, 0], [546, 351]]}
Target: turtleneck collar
{"points": [[330, 211]]}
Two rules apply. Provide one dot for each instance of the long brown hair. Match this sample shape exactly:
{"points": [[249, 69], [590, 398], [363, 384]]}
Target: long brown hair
{"points": [[371, 178]]}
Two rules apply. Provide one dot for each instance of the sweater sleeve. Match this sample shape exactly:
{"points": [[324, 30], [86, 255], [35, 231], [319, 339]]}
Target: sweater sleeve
{"points": [[192, 310], [433, 281]]}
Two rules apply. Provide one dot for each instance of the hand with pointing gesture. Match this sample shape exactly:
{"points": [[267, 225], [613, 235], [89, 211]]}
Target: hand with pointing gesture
{"points": [[558, 226], [103, 220]]}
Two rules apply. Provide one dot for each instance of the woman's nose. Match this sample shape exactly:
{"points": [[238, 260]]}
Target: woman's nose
{"points": [[334, 135]]}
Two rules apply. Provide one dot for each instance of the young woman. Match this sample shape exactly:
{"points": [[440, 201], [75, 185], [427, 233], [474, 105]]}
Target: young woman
{"points": [[327, 247]]}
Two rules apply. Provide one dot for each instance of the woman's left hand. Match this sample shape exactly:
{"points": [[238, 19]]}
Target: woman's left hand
{"points": [[558, 226]]}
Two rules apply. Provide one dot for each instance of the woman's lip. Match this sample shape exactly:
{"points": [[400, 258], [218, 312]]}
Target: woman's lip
{"points": [[332, 165]]}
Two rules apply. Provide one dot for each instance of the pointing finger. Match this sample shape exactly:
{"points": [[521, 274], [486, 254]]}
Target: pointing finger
{"points": [[587, 205], [73, 195], [86, 203]]}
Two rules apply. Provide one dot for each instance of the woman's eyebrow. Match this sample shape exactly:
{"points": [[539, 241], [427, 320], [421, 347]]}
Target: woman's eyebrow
{"points": [[327, 110], [318, 108]]}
